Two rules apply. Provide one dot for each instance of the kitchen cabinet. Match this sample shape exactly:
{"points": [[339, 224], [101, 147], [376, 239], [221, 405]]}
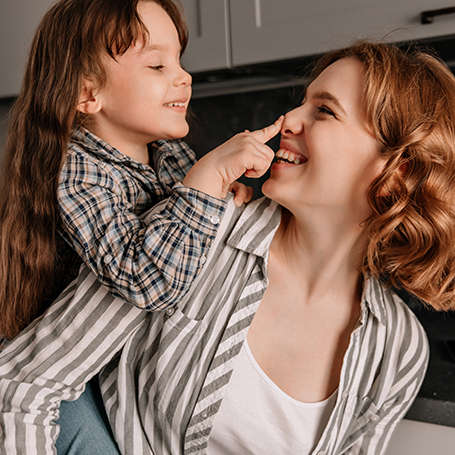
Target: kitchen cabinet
{"points": [[259, 31], [265, 30], [209, 45], [235, 33]]}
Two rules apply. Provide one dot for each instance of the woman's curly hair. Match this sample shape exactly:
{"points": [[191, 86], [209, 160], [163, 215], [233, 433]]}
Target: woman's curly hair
{"points": [[410, 106]]}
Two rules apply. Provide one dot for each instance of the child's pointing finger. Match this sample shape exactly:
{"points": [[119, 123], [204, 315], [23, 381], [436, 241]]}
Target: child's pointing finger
{"points": [[265, 134]]}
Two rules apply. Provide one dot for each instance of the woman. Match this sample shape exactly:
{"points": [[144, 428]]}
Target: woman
{"points": [[291, 339]]}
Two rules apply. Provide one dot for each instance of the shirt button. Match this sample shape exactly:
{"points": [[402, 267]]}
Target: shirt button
{"points": [[374, 418], [203, 259], [204, 415], [108, 258], [344, 394], [214, 219], [170, 311]]}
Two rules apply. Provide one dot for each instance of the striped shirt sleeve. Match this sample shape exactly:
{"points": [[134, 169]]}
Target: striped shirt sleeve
{"points": [[54, 358]]}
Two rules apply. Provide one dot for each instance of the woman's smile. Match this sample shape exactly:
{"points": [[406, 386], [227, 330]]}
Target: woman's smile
{"points": [[286, 156]]}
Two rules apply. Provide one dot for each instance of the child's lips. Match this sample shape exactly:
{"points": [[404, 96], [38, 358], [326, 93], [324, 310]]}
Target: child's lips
{"points": [[176, 104]]}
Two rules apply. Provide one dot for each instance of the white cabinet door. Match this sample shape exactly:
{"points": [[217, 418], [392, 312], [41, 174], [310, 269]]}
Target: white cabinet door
{"points": [[266, 30], [18, 21], [208, 47]]}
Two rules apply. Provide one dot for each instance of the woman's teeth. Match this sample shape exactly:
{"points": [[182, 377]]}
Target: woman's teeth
{"points": [[285, 156], [175, 104]]}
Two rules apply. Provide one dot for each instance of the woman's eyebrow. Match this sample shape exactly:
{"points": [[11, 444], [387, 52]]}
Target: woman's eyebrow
{"points": [[328, 97]]}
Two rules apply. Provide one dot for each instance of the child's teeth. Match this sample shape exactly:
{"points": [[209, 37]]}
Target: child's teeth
{"points": [[285, 156], [279, 154], [297, 161]]}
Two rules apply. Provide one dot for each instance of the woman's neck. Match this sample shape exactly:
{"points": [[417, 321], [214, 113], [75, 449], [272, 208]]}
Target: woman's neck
{"points": [[322, 255]]}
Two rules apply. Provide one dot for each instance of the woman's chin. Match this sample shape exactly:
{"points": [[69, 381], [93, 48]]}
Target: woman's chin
{"points": [[268, 187]]}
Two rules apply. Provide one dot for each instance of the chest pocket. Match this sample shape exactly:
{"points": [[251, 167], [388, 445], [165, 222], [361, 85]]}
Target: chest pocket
{"points": [[360, 415]]}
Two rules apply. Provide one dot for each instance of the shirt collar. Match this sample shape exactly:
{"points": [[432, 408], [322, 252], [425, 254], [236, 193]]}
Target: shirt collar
{"points": [[254, 230], [374, 297]]}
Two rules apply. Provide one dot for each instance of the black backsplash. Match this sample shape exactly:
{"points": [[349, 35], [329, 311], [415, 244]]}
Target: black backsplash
{"points": [[216, 119]]}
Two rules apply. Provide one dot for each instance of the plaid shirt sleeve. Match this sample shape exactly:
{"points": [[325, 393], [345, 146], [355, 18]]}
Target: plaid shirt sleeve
{"points": [[149, 264], [172, 159]]}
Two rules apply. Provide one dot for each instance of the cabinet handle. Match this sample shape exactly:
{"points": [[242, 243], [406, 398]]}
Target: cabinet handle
{"points": [[426, 17]]}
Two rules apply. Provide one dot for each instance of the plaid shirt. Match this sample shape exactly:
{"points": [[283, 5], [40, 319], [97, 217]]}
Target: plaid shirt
{"points": [[102, 194]]}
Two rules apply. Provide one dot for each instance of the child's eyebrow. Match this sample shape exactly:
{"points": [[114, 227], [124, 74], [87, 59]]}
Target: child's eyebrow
{"points": [[153, 47], [329, 97]]}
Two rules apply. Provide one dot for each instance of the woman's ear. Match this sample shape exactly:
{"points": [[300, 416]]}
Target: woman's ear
{"points": [[403, 169], [398, 175], [89, 98]]}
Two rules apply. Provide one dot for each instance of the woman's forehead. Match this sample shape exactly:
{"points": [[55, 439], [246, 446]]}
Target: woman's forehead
{"points": [[342, 80]]}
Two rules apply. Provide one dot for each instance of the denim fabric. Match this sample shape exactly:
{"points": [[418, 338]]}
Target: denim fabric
{"points": [[84, 427]]}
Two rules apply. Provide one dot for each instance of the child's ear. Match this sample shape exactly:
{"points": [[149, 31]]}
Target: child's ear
{"points": [[89, 98]]}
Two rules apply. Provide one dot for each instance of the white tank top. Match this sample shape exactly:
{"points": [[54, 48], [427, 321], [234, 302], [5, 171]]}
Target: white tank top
{"points": [[257, 417]]}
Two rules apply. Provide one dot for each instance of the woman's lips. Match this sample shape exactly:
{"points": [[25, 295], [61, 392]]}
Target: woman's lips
{"points": [[286, 156]]}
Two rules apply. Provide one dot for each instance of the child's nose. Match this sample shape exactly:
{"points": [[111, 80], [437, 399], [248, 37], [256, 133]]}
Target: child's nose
{"points": [[183, 78]]}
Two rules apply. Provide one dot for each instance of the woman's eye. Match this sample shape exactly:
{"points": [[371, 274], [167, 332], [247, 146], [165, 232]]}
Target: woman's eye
{"points": [[157, 67], [325, 110]]}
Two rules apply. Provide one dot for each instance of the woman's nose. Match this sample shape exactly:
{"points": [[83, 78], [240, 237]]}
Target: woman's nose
{"points": [[293, 122]]}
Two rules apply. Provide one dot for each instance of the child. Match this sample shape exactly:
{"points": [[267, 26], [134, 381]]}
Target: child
{"points": [[92, 146]]}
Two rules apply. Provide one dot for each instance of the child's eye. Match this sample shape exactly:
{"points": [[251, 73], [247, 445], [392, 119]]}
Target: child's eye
{"points": [[325, 110], [157, 67]]}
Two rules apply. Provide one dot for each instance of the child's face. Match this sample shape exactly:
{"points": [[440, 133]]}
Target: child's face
{"points": [[147, 92]]}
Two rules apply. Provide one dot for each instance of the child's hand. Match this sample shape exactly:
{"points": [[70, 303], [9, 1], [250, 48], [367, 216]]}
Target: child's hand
{"points": [[245, 153], [243, 193]]}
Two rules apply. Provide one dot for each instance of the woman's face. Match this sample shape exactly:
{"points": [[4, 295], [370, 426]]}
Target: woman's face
{"points": [[335, 156]]}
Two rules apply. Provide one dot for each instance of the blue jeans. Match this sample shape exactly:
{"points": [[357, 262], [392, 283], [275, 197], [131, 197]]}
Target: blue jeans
{"points": [[84, 427]]}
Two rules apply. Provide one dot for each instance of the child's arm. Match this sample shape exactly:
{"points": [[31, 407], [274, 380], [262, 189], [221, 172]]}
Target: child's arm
{"points": [[150, 265], [173, 167]]}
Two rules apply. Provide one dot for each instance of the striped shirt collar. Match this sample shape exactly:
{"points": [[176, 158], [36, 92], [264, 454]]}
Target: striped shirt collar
{"points": [[92, 143], [374, 298], [246, 236]]}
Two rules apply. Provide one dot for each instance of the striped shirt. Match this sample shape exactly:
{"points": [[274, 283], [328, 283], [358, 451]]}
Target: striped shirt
{"points": [[102, 194], [163, 375]]}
